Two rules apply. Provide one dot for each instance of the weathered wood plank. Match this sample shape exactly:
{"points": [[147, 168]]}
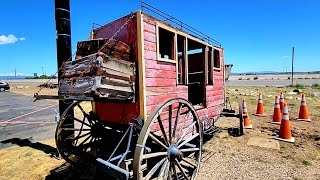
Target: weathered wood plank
{"points": [[150, 46], [155, 100], [214, 98], [215, 103], [214, 88], [214, 93], [150, 64], [179, 88], [160, 82], [149, 19], [150, 55], [112, 47], [150, 37], [149, 28], [155, 73]]}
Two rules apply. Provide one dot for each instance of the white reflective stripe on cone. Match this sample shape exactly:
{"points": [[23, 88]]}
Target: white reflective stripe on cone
{"points": [[285, 117]]}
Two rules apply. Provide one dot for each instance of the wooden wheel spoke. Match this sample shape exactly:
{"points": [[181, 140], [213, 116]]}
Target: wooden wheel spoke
{"points": [[162, 129], [157, 140], [85, 140], [177, 120], [175, 172], [190, 150], [163, 168], [155, 168], [74, 129], [170, 121], [167, 171], [79, 106], [188, 140], [180, 168], [185, 120], [76, 119], [189, 162], [185, 133], [152, 155], [81, 136]]}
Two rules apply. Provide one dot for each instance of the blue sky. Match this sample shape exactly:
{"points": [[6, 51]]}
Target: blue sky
{"points": [[256, 35]]}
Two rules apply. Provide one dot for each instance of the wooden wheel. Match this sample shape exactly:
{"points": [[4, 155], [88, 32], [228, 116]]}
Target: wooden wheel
{"points": [[170, 143], [76, 141]]}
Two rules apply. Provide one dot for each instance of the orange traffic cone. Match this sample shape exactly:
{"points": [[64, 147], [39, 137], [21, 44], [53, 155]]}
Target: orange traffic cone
{"points": [[281, 101], [276, 112], [303, 112], [260, 109], [285, 131], [246, 121]]}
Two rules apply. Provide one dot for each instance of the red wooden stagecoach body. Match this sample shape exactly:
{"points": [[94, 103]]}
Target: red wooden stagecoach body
{"points": [[158, 77], [165, 86]]}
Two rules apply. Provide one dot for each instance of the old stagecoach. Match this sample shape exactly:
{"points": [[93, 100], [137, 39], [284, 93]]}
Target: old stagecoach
{"points": [[142, 95]]}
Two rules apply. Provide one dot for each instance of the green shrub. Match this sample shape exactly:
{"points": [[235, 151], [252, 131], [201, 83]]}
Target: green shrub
{"points": [[297, 86], [255, 78], [317, 86]]}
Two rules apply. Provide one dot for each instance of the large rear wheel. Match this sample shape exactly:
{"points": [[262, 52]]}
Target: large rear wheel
{"points": [[170, 143]]}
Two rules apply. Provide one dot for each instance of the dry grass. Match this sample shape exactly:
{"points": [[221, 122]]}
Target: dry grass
{"points": [[27, 163], [31, 90]]}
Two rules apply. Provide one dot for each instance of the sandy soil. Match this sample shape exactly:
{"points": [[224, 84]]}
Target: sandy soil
{"points": [[234, 159]]}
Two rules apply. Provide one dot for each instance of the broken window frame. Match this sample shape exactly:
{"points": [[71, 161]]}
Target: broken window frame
{"points": [[174, 45], [217, 59], [177, 32]]}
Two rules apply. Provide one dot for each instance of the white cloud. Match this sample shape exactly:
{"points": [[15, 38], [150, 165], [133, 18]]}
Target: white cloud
{"points": [[10, 39], [284, 57]]}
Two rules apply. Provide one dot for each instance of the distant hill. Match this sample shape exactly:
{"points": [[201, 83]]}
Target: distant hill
{"points": [[13, 77]]}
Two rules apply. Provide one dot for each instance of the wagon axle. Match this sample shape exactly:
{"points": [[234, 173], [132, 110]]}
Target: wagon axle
{"points": [[174, 153]]}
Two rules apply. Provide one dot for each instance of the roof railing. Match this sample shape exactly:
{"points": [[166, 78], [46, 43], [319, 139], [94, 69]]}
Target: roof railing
{"points": [[179, 24]]}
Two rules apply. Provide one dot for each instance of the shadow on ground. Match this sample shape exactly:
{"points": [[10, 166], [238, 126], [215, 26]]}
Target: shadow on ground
{"points": [[38, 146], [67, 171]]}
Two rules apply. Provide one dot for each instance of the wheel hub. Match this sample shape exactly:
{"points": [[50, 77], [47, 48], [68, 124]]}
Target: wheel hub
{"points": [[174, 153]]}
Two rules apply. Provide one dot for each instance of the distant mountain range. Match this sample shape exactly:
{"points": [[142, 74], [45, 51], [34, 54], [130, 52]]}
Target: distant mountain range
{"points": [[13, 77]]}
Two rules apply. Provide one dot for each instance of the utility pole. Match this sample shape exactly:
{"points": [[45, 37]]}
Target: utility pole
{"points": [[292, 66], [63, 39]]}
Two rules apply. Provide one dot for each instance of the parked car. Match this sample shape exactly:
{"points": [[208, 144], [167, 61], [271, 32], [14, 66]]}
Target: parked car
{"points": [[4, 86]]}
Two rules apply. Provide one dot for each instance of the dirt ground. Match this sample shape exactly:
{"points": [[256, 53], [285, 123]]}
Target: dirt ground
{"points": [[225, 157]]}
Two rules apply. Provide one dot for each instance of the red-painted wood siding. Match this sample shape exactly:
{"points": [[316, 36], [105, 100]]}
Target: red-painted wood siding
{"points": [[161, 77], [120, 112]]}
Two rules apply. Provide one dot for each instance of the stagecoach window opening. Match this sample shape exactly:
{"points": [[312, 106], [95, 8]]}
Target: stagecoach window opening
{"points": [[166, 41], [210, 66], [196, 85], [181, 40], [216, 58]]}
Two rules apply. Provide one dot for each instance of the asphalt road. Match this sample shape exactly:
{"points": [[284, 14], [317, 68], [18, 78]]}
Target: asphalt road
{"points": [[21, 119]]}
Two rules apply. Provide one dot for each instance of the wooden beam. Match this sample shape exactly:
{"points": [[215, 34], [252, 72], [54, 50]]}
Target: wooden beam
{"points": [[205, 63], [185, 56], [141, 66], [211, 64], [205, 72]]}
